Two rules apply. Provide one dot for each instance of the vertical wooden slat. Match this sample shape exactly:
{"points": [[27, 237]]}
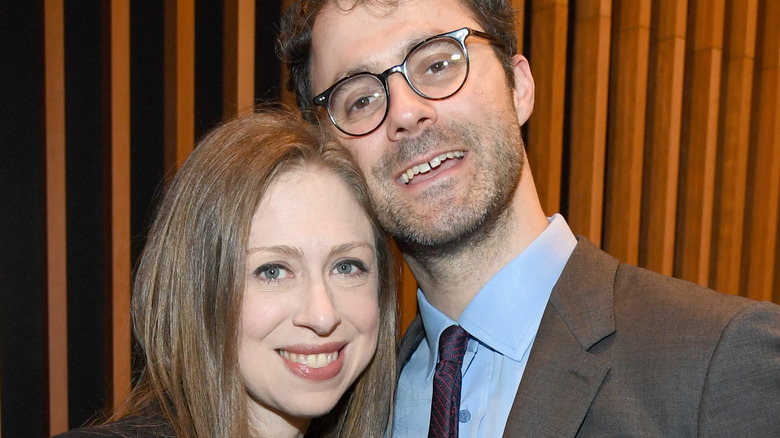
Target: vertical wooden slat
{"points": [[179, 66], [763, 206], [625, 137], [56, 244], [662, 141], [406, 294], [588, 121], [733, 145], [699, 141], [120, 196], [239, 58], [519, 7], [549, 26]]}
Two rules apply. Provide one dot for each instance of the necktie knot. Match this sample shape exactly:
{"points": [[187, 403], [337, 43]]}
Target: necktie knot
{"points": [[452, 344]]}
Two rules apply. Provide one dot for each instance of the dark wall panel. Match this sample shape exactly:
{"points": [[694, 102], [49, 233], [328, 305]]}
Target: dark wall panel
{"points": [[22, 257], [84, 104], [208, 65], [267, 68]]}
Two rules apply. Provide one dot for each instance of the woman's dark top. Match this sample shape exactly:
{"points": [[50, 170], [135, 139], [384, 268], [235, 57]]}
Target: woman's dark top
{"points": [[130, 427]]}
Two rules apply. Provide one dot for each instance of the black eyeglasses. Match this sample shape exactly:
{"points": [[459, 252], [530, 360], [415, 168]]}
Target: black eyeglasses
{"points": [[435, 69]]}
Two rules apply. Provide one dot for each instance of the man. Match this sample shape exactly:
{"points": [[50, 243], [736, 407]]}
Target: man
{"points": [[560, 338]]}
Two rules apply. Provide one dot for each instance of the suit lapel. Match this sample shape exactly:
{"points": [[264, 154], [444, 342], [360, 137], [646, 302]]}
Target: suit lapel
{"points": [[409, 342], [562, 377]]}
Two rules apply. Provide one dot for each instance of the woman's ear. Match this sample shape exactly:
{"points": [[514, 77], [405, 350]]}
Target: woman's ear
{"points": [[523, 92]]}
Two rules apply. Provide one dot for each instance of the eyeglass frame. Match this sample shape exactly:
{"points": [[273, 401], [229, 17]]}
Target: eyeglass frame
{"points": [[459, 35]]}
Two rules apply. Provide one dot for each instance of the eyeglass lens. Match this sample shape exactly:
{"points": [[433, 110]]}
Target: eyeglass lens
{"points": [[434, 70]]}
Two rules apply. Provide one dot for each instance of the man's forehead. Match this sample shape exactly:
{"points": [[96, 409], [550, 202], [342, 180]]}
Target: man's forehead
{"points": [[375, 6], [373, 33], [337, 14], [343, 15]]}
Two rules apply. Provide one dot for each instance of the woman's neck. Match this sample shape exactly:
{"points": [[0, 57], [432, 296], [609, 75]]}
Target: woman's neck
{"points": [[268, 423]]}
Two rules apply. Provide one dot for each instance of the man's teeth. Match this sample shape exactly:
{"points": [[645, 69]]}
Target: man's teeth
{"points": [[311, 360], [426, 167]]}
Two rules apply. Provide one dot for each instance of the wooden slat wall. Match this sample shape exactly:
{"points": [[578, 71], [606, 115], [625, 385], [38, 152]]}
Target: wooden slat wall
{"points": [[760, 258], [519, 7], [588, 125], [550, 17], [179, 81], [733, 135], [119, 135], [699, 139], [56, 245], [662, 153], [626, 124], [656, 132], [239, 58]]}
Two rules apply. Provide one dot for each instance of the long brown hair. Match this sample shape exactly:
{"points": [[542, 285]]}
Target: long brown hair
{"points": [[189, 283]]}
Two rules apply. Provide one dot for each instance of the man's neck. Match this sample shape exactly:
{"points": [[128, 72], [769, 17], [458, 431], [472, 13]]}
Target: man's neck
{"points": [[450, 279]]}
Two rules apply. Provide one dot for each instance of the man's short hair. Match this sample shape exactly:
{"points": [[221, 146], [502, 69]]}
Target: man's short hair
{"points": [[497, 17]]}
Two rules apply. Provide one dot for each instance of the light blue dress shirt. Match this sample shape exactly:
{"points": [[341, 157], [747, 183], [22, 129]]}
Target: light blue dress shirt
{"points": [[502, 320]]}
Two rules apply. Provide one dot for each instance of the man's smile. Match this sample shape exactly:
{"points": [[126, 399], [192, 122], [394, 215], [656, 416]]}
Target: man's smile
{"points": [[426, 167]]}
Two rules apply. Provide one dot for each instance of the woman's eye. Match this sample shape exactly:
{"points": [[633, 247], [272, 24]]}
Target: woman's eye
{"points": [[271, 272], [349, 267]]}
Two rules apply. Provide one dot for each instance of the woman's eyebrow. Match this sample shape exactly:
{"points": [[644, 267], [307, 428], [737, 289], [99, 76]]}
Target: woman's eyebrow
{"points": [[345, 247], [279, 249]]}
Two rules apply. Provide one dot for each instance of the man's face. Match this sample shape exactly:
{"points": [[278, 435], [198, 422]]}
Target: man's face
{"points": [[470, 141]]}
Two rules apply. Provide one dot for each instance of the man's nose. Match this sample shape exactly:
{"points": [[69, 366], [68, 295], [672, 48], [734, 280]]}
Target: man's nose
{"points": [[408, 113]]}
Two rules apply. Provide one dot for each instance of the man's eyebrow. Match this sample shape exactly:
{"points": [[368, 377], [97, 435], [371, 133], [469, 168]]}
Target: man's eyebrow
{"points": [[417, 40], [400, 54]]}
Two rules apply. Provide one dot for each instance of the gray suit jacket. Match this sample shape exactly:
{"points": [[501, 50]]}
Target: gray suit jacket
{"points": [[624, 352]]}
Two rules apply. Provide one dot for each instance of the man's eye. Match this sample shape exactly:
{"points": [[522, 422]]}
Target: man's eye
{"points": [[271, 272], [438, 66], [363, 103]]}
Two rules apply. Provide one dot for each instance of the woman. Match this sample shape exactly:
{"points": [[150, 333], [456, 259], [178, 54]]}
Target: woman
{"points": [[262, 293]]}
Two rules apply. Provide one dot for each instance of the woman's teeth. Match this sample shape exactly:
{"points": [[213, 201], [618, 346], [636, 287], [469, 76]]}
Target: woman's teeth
{"points": [[311, 360]]}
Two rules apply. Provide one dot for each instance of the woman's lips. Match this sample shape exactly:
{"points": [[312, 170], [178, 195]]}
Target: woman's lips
{"points": [[317, 366]]}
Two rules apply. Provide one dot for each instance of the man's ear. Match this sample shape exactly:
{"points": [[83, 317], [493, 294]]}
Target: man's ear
{"points": [[523, 93]]}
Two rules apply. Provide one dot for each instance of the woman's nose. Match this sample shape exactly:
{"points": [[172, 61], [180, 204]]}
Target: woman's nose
{"points": [[318, 311]]}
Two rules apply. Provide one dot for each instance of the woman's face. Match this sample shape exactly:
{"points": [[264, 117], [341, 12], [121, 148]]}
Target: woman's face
{"points": [[310, 315]]}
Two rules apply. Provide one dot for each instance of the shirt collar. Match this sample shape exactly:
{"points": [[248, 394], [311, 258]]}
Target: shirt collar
{"points": [[506, 312]]}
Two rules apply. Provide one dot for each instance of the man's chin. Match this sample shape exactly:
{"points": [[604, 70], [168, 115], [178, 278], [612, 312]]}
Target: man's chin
{"points": [[445, 239], [449, 236]]}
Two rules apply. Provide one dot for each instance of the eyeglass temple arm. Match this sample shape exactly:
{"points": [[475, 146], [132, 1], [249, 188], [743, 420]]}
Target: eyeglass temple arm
{"points": [[486, 36]]}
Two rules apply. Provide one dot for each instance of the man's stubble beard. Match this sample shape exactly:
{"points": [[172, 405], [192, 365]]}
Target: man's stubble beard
{"points": [[434, 225]]}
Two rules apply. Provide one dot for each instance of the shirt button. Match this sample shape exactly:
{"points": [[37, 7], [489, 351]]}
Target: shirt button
{"points": [[464, 416]]}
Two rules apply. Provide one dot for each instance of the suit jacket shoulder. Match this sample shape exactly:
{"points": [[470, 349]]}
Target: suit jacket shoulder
{"points": [[622, 351]]}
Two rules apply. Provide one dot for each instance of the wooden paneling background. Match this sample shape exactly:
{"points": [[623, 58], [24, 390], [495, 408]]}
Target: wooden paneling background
{"points": [[656, 133]]}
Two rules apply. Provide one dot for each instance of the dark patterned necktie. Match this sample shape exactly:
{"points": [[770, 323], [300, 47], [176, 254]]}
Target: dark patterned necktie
{"points": [[446, 383]]}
